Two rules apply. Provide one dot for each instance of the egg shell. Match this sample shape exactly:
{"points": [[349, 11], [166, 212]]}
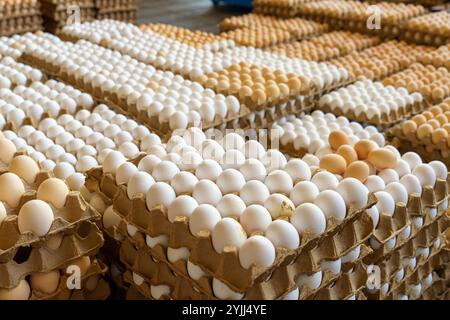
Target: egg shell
{"points": [[159, 291], [253, 169], [45, 282], [204, 217], [309, 219], [255, 218], [11, 189], [2, 212], [279, 181], [194, 271], [283, 234], [257, 251], [312, 281], [304, 191], [333, 266], [176, 254], [402, 167], [164, 171], [230, 180], [124, 173], [53, 191], [25, 167], [440, 169], [209, 169], [148, 162], [333, 163], [159, 193], [298, 170], [231, 205], [112, 161], [426, 175], [254, 192], [354, 193], [389, 175], [206, 191], [110, 218], [331, 204], [385, 203], [382, 158], [223, 292], [348, 153], [182, 206], [183, 182], [352, 255], [7, 150], [398, 192], [21, 292], [338, 138], [412, 158], [364, 147], [227, 233], [139, 183], [35, 216], [325, 180], [358, 170]]}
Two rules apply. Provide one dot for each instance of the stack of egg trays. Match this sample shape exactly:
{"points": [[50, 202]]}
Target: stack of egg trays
{"points": [[123, 10], [24, 254], [20, 20], [271, 283], [431, 37], [440, 288], [431, 207], [56, 13], [428, 150]]}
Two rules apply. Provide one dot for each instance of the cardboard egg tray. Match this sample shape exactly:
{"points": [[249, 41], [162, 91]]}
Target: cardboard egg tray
{"points": [[253, 36], [75, 211], [20, 24], [133, 293], [440, 288], [385, 120], [122, 15], [86, 240], [281, 8], [432, 29], [57, 10], [438, 58], [335, 242], [106, 6], [97, 268], [101, 292]]}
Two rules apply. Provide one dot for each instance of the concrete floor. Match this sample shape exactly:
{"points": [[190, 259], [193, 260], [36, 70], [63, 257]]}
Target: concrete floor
{"points": [[192, 14]]}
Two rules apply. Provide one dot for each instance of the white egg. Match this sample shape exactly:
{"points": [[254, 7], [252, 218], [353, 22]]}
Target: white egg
{"points": [[148, 162], [325, 180], [223, 292], [298, 170], [312, 281], [227, 233], [112, 162], [255, 218], [159, 193], [35, 216], [254, 192], [292, 295], [309, 219], [232, 159], [402, 168], [162, 240], [257, 251], [334, 266], [331, 204], [183, 182], [254, 150], [354, 193], [253, 169], [279, 205], [182, 206], [352, 255], [398, 192], [63, 170], [176, 254], [426, 175], [440, 169], [413, 159], [139, 183], [230, 180], [304, 191], [204, 218], [283, 234], [231, 205], [385, 203], [274, 159], [411, 183], [206, 191], [86, 163], [311, 160], [194, 271], [279, 181]]}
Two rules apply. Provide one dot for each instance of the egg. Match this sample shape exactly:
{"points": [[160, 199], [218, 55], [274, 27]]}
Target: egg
{"points": [[255, 218], [183, 182], [402, 168], [231, 205], [412, 184], [53, 191], [283, 234], [164, 171], [204, 217], [273, 159], [112, 162], [331, 204], [3, 214], [124, 172], [139, 183], [227, 233], [334, 266], [309, 219], [312, 281], [7, 150], [352, 255], [25, 167], [292, 295], [425, 173], [338, 138], [230, 180], [412, 159], [253, 169], [298, 170], [254, 192], [398, 192], [194, 271], [159, 193], [382, 158], [254, 150], [45, 282], [325, 180], [333, 163], [257, 251], [232, 159], [35, 216], [63, 170], [223, 292], [385, 203], [304, 191], [11, 189], [21, 292], [354, 193], [279, 181], [440, 169], [233, 141], [110, 218], [206, 191], [182, 206], [389, 175], [148, 162], [364, 147], [162, 240]]}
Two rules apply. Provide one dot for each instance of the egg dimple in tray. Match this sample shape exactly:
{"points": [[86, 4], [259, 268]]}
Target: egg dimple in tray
{"points": [[338, 240], [86, 240], [75, 211]]}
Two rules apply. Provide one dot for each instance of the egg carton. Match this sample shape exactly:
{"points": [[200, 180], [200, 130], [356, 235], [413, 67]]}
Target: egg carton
{"points": [[127, 16], [385, 120], [419, 237], [115, 3], [74, 212], [144, 289], [96, 268], [440, 288], [425, 38], [17, 25], [283, 8], [86, 240], [58, 10], [133, 293]]}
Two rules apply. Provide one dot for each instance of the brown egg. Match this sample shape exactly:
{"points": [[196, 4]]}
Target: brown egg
{"points": [[434, 123], [21, 292], [7, 150], [419, 119], [45, 282], [11, 189], [439, 135], [338, 138], [259, 97], [424, 130], [53, 191], [435, 110], [358, 170], [428, 115], [333, 163], [83, 263], [442, 119], [25, 167], [364, 147], [446, 127], [348, 153], [408, 127], [382, 158]]}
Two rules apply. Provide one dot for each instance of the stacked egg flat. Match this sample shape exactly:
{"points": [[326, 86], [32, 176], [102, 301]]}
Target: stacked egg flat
{"points": [[432, 28], [58, 13], [122, 10], [327, 46], [281, 8], [438, 58], [433, 83], [259, 37], [372, 102], [20, 16]]}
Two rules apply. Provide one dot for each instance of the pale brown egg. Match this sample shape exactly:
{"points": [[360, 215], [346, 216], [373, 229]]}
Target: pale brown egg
{"points": [[382, 158], [53, 191], [25, 167], [7, 150], [11, 189], [333, 163], [338, 138], [408, 127], [424, 130], [419, 119], [434, 123], [45, 282], [348, 153], [358, 170], [438, 135], [21, 292], [364, 147]]}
